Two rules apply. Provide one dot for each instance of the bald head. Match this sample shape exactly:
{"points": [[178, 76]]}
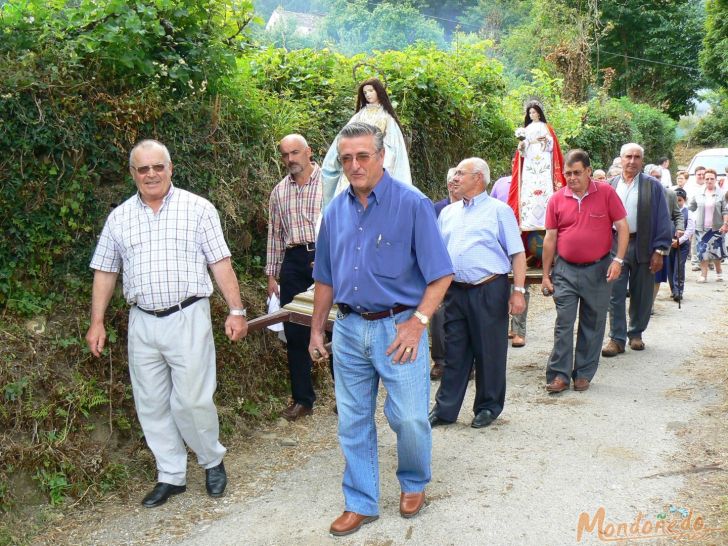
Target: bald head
{"points": [[294, 139]]}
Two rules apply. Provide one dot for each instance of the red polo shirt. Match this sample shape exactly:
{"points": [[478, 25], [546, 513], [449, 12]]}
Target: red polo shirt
{"points": [[584, 226]]}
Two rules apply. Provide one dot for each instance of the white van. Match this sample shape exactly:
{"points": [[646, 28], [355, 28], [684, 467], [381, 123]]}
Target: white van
{"points": [[713, 158]]}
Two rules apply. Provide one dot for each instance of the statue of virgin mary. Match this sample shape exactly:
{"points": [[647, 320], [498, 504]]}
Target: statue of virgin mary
{"points": [[372, 107]]}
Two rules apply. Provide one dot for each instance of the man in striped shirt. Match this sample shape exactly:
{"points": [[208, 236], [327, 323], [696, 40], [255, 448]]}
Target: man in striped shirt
{"points": [[295, 204]]}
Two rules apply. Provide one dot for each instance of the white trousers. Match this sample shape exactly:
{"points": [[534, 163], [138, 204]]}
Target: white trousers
{"points": [[173, 376]]}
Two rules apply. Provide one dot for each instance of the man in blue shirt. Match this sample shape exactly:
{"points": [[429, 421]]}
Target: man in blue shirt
{"points": [[484, 243], [380, 258]]}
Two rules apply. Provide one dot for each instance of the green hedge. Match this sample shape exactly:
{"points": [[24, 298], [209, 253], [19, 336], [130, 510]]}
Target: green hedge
{"points": [[608, 124]]}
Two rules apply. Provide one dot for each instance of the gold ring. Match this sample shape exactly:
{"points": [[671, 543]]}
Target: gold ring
{"points": [[408, 349]]}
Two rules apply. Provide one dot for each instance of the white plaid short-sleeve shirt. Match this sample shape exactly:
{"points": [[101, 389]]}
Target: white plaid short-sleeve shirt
{"points": [[164, 256]]}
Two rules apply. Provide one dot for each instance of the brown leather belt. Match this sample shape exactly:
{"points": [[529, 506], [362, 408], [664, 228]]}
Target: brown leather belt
{"points": [[633, 235], [376, 315], [468, 286], [173, 309]]}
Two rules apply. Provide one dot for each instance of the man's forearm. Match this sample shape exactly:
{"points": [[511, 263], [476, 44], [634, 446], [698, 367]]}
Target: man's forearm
{"points": [[519, 269], [227, 282], [102, 290], [323, 299], [622, 238], [548, 252], [433, 295]]}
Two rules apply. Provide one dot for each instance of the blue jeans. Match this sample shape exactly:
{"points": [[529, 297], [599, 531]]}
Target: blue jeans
{"points": [[359, 362]]}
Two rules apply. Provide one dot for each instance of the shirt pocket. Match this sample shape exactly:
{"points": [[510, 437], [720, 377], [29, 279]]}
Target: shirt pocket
{"points": [[599, 222], [388, 258]]}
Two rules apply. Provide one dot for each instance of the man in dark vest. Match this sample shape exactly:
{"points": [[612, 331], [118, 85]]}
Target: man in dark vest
{"points": [[650, 236]]}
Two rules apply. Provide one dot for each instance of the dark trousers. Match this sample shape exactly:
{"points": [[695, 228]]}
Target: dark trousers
{"points": [[641, 283], [296, 277], [676, 268], [582, 292], [476, 330], [437, 335]]}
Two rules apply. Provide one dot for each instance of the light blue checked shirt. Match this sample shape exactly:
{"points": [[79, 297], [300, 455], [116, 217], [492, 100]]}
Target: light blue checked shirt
{"points": [[481, 235]]}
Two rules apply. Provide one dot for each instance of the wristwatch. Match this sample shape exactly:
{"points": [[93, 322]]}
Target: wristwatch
{"points": [[422, 318], [520, 289], [239, 312], [619, 260], [662, 251]]}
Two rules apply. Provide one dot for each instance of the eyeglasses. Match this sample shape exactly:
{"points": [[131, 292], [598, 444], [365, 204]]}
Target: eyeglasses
{"points": [[157, 168], [463, 173], [569, 174], [361, 158]]}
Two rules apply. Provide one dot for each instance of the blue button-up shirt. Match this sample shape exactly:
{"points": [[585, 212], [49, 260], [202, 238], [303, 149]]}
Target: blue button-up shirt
{"points": [[481, 235], [384, 255]]}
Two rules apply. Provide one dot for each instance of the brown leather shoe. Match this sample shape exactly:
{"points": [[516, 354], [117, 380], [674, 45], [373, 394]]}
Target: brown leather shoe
{"points": [[410, 504], [557, 385], [296, 410], [612, 349], [581, 384], [349, 522], [636, 344], [518, 341], [436, 371]]}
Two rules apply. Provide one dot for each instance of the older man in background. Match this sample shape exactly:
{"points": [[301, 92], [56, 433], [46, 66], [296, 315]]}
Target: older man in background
{"points": [[484, 243], [650, 237]]}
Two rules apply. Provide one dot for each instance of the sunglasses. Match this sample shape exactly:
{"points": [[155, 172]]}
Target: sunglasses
{"points": [[157, 168]]}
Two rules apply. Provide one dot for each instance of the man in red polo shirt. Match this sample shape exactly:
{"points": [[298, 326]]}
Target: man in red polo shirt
{"points": [[579, 220]]}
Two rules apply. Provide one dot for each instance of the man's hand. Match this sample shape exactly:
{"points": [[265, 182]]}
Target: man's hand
{"points": [[236, 327], [546, 285], [517, 303], [273, 287], [679, 233], [655, 262], [614, 271], [723, 228], [316, 348], [96, 338], [404, 346]]}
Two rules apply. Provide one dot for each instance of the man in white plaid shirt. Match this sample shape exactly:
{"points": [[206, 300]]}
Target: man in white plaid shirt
{"points": [[164, 239]]}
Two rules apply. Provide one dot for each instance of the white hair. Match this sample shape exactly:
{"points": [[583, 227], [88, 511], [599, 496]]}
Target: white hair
{"points": [[149, 143], [451, 174], [480, 166], [649, 169], [630, 145]]}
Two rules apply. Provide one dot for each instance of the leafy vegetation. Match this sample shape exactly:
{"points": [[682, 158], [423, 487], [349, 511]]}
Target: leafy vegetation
{"points": [[81, 82]]}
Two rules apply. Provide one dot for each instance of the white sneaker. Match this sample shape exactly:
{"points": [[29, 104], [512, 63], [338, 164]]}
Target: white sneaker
{"points": [[702, 279], [719, 277]]}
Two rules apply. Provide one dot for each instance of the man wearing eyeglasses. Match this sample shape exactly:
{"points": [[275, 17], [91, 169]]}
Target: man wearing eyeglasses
{"points": [[164, 239], [295, 204], [579, 220], [484, 243], [380, 258]]}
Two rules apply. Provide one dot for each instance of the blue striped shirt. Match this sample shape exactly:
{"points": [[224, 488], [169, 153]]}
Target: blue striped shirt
{"points": [[480, 236]]}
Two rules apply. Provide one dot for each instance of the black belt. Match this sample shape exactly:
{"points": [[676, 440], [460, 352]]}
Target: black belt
{"points": [[376, 315], [173, 309], [587, 264], [468, 286], [633, 235], [310, 247]]}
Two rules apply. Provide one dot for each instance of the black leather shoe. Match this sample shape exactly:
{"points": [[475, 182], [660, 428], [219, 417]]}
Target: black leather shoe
{"points": [[435, 421], [161, 492], [216, 480], [483, 419]]}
